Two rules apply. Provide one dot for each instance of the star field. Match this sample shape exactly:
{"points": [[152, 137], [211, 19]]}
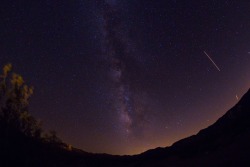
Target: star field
{"points": [[122, 77]]}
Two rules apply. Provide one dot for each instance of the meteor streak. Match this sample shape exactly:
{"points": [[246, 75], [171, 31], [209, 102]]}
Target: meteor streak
{"points": [[212, 61]]}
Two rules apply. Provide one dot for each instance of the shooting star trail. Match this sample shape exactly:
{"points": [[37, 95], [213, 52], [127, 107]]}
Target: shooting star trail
{"points": [[212, 61]]}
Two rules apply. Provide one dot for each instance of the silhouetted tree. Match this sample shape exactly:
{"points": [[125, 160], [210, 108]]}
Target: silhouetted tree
{"points": [[14, 102]]}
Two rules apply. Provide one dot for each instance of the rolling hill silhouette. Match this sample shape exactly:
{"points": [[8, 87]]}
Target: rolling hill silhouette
{"points": [[225, 143]]}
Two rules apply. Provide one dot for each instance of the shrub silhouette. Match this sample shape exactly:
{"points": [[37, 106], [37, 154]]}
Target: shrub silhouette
{"points": [[51, 137]]}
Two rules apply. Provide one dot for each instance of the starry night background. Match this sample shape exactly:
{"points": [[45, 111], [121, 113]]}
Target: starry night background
{"points": [[122, 77]]}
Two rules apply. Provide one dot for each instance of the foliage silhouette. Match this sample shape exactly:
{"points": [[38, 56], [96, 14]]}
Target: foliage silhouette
{"points": [[15, 95]]}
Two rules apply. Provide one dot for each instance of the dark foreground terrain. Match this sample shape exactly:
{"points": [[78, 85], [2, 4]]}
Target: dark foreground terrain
{"points": [[225, 143]]}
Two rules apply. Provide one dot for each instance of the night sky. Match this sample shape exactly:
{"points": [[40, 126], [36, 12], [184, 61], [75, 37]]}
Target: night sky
{"points": [[125, 76]]}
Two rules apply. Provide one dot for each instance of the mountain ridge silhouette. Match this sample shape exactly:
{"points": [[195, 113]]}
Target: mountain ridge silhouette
{"points": [[224, 143]]}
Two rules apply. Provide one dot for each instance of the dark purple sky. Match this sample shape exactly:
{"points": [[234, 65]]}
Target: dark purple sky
{"points": [[122, 77]]}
